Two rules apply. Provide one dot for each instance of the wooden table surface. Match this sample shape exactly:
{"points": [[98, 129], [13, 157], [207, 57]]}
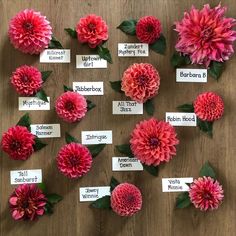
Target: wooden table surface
{"points": [[158, 216]]}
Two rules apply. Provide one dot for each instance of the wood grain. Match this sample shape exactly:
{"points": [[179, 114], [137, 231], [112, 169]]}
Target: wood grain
{"points": [[158, 216]]}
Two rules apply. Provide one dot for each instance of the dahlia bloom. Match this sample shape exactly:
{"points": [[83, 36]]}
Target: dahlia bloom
{"points": [[206, 193], [209, 106], [18, 143], [140, 82], [148, 29], [92, 29], [74, 160], [71, 106], [153, 142], [126, 199], [27, 202], [30, 32], [206, 35], [27, 80]]}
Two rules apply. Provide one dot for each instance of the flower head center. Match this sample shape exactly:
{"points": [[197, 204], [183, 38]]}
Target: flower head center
{"points": [[70, 106], [28, 26], [25, 78], [141, 80], [207, 33], [74, 161], [130, 198], [15, 145], [154, 142], [149, 28], [212, 105], [25, 204], [207, 195], [91, 27]]}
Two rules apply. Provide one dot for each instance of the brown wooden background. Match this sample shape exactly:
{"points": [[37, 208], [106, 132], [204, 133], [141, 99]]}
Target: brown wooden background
{"points": [[158, 217]]}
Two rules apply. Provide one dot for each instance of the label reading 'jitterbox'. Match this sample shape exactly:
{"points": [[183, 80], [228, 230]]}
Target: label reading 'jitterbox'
{"points": [[88, 88]]}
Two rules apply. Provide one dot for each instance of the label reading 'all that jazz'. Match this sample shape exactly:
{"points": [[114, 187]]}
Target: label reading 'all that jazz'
{"points": [[88, 88], [90, 61], [176, 184], [133, 50], [191, 75], [46, 130], [96, 137], [181, 118], [33, 104], [55, 56], [26, 176], [88, 194], [126, 164], [126, 108]]}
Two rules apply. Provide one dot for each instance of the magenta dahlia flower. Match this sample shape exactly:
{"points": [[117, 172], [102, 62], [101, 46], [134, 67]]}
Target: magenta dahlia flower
{"points": [[30, 32], [140, 82], [206, 35], [27, 202], [153, 142], [206, 193], [126, 199], [74, 160]]}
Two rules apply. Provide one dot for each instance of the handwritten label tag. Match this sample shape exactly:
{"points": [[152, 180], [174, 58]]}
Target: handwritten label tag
{"points": [[88, 88], [133, 50], [126, 108], [191, 75], [46, 130], [33, 104], [26, 176], [181, 118], [126, 164], [90, 61], [96, 137], [55, 56], [89, 194], [176, 184]]}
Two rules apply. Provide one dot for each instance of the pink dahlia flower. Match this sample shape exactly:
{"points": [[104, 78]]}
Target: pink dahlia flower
{"points": [[148, 29], [71, 106], [74, 160], [206, 35], [92, 29], [30, 32], [209, 106], [18, 143], [27, 202], [27, 80], [206, 193], [140, 82], [153, 142], [126, 199]]}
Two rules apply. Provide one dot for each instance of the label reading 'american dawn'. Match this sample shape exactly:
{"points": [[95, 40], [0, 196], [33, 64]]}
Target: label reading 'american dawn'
{"points": [[126, 164]]}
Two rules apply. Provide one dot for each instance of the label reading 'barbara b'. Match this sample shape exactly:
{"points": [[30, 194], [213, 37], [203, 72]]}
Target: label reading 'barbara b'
{"points": [[133, 50], [181, 118], [55, 56], [88, 88], [96, 137], [90, 61], [26, 176], [126, 164], [191, 75], [33, 104], [126, 108], [89, 194], [46, 130], [176, 184]]}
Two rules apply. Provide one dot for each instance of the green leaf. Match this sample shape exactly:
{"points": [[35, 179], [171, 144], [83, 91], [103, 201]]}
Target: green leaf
{"points": [[205, 126], [116, 86], [102, 203], [95, 149], [42, 186], [178, 60], [128, 27], [153, 170], [149, 107], [48, 208], [54, 198], [42, 95], [66, 89], [207, 170], [216, 69], [71, 32], [38, 144], [125, 149], [114, 182], [186, 108], [45, 74], [183, 200], [70, 139], [25, 121], [160, 45], [90, 105], [55, 44], [104, 53]]}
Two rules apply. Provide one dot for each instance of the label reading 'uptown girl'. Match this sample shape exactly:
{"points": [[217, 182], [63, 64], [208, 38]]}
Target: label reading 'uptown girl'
{"points": [[90, 62], [46, 130], [133, 50], [26, 176], [55, 56], [96, 137], [88, 88], [89, 194], [33, 104]]}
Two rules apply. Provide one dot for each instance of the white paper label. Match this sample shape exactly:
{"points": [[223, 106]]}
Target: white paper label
{"points": [[126, 164], [96, 137], [89, 194], [55, 56], [126, 108], [133, 50], [176, 184], [46, 130], [88, 88], [26, 176], [90, 61], [181, 118], [191, 75], [33, 104]]}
